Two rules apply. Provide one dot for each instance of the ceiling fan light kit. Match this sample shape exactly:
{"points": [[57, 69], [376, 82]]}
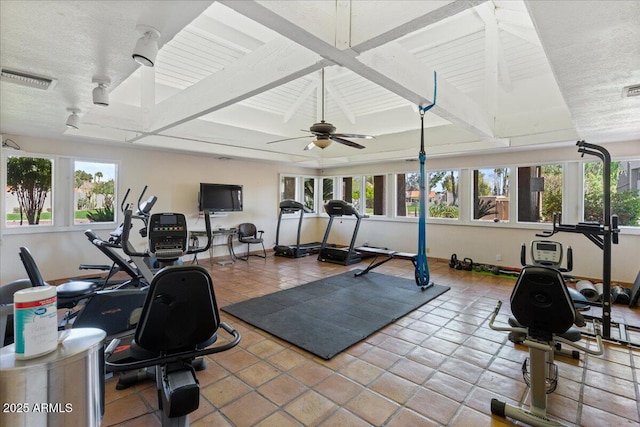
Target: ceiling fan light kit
{"points": [[325, 132], [322, 142]]}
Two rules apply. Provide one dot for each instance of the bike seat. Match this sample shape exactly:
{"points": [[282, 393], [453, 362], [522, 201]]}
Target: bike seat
{"points": [[76, 289], [573, 334]]}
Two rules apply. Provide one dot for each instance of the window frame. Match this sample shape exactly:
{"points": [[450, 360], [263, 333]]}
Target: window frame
{"points": [[62, 188], [51, 195], [116, 206], [564, 166]]}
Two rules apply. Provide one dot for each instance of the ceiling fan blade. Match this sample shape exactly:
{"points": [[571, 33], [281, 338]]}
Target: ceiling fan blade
{"points": [[346, 142], [288, 139], [309, 146], [353, 135]]}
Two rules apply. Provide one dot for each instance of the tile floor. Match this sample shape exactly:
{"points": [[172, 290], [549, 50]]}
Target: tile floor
{"points": [[439, 365]]}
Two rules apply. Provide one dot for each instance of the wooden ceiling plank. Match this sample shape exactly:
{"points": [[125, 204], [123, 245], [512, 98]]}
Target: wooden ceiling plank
{"points": [[271, 65], [402, 73]]}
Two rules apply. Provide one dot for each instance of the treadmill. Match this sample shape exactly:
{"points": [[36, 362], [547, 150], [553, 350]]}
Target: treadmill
{"points": [[299, 249], [343, 256]]}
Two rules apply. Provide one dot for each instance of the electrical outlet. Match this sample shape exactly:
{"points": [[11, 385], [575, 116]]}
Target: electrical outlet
{"points": [[498, 257]]}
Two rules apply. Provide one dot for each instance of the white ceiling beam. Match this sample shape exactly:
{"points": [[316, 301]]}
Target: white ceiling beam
{"points": [[396, 69], [306, 93], [147, 95], [526, 34], [418, 23], [343, 24], [339, 99], [271, 65], [226, 35], [513, 17], [457, 107], [270, 19], [491, 57], [440, 33]]}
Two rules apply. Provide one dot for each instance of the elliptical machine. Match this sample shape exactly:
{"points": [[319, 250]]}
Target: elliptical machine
{"points": [[179, 319], [138, 274]]}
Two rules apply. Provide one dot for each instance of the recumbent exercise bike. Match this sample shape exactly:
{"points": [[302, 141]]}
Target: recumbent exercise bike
{"points": [[544, 314], [179, 314]]}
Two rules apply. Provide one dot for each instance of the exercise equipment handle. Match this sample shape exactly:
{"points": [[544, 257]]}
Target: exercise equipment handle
{"points": [[111, 347], [181, 356], [124, 207], [207, 227], [600, 347], [492, 318], [127, 248]]}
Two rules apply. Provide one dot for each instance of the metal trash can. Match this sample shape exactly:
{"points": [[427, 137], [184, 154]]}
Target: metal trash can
{"points": [[62, 388]]}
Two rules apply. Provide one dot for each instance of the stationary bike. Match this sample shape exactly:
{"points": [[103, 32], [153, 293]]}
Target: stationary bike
{"points": [[544, 313], [179, 314], [548, 253]]}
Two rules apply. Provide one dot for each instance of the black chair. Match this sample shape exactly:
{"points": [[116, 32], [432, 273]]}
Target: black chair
{"points": [[179, 314], [249, 234], [543, 318]]}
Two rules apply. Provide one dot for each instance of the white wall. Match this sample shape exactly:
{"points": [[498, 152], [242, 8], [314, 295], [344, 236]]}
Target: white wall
{"points": [[174, 178], [483, 242]]}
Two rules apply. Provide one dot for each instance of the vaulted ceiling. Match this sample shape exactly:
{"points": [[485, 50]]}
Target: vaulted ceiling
{"points": [[233, 76]]}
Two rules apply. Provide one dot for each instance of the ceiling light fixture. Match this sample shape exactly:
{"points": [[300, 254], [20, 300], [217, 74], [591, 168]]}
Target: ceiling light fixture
{"points": [[73, 122], [147, 46], [630, 91], [322, 141], [100, 94], [27, 79]]}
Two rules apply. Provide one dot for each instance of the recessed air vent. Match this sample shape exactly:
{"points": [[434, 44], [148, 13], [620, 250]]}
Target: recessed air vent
{"points": [[27, 79], [631, 91]]}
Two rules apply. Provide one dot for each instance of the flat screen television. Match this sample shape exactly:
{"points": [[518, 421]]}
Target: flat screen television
{"points": [[220, 197]]}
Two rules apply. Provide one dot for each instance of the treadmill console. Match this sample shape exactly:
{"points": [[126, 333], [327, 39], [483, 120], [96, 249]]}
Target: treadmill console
{"points": [[168, 235], [546, 253]]}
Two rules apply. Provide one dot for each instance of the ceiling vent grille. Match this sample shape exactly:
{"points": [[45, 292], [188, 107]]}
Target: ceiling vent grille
{"points": [[27, 79], [632, 91]]}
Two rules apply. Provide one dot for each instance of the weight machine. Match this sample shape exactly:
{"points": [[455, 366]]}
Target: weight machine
{"points": [[603, 236]]}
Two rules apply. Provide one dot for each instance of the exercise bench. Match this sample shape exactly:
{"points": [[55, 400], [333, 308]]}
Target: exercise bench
{"points": [[386, 253]]}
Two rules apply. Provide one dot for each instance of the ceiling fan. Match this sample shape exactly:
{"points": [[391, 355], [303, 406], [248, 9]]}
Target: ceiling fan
{"points": [[325, 132]]}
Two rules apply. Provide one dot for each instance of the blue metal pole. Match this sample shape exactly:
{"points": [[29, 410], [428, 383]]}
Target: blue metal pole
{"points": [[422, 267]]}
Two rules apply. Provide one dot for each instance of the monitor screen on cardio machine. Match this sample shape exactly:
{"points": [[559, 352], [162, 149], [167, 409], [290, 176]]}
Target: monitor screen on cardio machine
{"points": [[546, 253]]}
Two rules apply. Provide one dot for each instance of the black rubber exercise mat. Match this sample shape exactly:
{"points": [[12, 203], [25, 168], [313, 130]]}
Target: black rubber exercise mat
{"points": [[329, 315]]}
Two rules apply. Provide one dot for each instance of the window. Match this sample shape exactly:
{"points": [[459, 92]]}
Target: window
{"points": [[310, 193], [287, 188], [443, 194], [327, 190], [408, 194], [351, 187], [539, 193], [625, 192], [374, 195], [93, 192], [29, 192], [491, 194]]}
